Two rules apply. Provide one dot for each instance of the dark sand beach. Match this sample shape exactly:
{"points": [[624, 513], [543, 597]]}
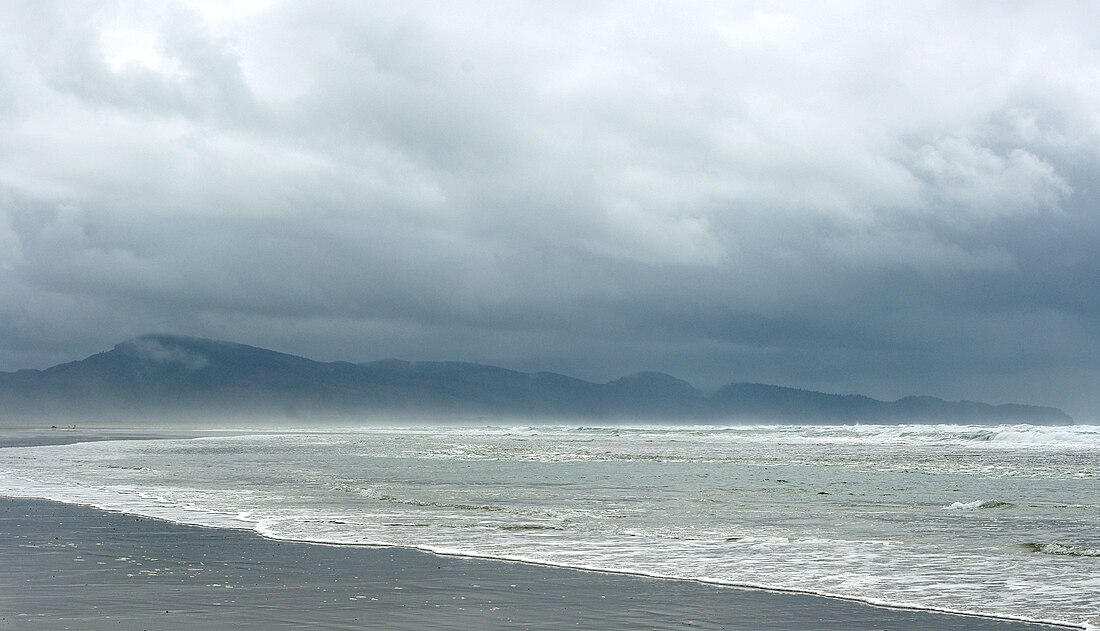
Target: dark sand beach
{"points": [[72, 567]]}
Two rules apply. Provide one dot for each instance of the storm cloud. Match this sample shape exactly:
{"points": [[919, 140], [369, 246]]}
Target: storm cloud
{"points": [[856, 197]]}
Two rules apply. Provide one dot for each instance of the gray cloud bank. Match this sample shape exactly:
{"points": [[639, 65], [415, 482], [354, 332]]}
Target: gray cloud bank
{"points": [[882, 198]]}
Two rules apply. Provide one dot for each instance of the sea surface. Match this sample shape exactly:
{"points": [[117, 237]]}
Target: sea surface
{"points": [[1001, 521]]}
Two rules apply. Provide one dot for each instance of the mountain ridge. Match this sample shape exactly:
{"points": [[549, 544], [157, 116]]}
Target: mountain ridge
{"points": [[180, 377]]}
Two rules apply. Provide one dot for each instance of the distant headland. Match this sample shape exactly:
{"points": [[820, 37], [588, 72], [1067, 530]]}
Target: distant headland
{"points": [[170, 377]]}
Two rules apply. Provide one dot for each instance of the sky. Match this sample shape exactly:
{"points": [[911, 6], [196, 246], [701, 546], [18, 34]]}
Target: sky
{"points": [[884, 198]]}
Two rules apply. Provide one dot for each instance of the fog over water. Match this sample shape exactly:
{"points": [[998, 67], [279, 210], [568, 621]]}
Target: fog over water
{"points": [[889, 199]]}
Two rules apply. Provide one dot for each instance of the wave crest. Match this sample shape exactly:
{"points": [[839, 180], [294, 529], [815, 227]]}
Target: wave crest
{"points": [[978, 504], [1062, 549]]}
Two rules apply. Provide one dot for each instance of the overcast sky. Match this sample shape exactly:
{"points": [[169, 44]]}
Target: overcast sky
{"points": [[886, 198]]}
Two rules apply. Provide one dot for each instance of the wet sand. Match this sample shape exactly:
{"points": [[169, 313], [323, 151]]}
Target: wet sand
{"points": [[72, 567]]}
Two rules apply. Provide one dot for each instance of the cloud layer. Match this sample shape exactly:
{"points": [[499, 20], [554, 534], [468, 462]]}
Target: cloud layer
{"points": [[854, 197]]}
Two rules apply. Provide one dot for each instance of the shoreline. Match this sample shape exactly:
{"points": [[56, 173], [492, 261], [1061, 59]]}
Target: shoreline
{"points": [[1048, 624], [37, 436], [705, 604]]}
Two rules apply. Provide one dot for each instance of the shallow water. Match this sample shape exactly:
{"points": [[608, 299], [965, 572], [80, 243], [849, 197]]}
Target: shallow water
{"points": [[994, 520]]}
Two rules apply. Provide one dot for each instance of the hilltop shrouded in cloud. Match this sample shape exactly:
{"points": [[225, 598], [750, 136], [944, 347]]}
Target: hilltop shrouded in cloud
{"points": [[846, 197]]}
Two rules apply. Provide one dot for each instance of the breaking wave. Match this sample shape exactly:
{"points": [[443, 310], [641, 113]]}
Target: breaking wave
{"points": [[978, 504], [1062, 549]]}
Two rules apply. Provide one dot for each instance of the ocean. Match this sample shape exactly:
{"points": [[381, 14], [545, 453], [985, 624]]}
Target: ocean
{"points": [[1001, 521]]}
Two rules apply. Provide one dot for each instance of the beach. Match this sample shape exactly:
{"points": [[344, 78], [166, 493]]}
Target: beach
{"points": [[73, 567]]}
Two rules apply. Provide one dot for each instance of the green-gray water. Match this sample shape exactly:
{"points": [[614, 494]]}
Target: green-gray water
{"points": [[1002, 521]]}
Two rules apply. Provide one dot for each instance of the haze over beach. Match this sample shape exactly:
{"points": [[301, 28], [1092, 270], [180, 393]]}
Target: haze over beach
{"points": [[186, 380], [494, 315]]}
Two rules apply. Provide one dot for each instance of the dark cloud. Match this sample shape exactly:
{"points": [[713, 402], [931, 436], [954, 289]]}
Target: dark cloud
{"points": [[879, 198]]}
